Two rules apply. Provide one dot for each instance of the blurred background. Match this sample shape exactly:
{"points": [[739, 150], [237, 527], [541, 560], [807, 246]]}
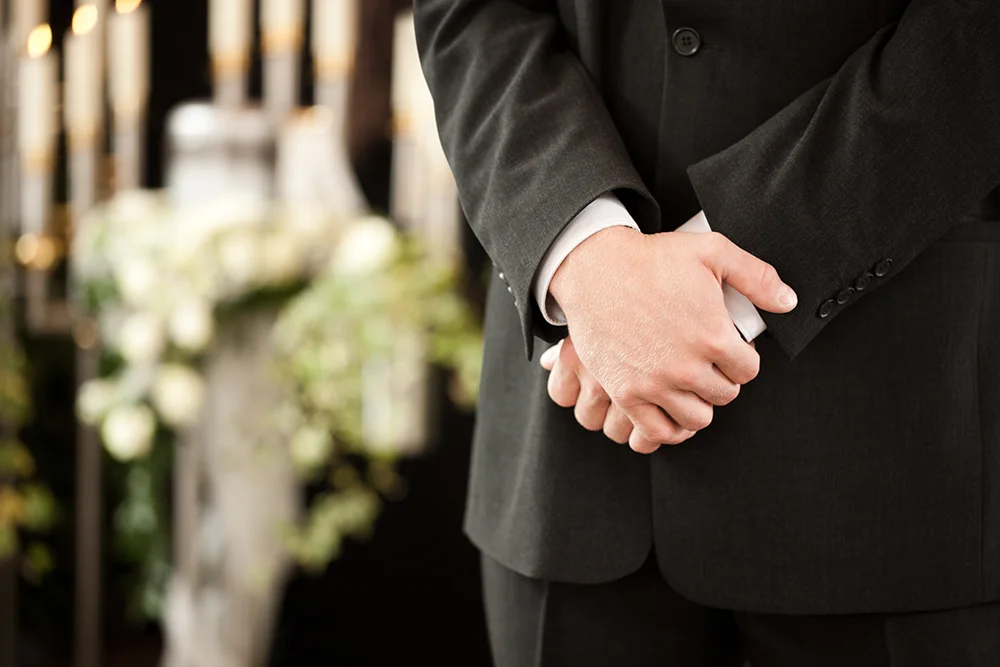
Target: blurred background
{"points": [[239, 340]]}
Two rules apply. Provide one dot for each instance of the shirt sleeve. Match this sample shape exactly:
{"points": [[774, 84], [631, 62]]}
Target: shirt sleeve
{"points": [[604, 212]]}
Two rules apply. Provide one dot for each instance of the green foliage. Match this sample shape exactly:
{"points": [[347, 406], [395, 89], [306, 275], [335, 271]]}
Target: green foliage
{"points": [[326, 337], [25, 505]]}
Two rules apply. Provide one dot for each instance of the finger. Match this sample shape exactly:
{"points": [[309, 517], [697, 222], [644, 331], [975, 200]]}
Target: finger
{"points": [[689, 410], [592, 405], [754, 278], [617, 426], [653, 427], [549, 357], [564, 385], [716, 388], [738, 361]]}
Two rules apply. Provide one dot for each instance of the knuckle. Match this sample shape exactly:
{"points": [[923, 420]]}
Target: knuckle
{"points": [[618, 437], [715, 241], [728, 393], [768, 275], [752, 368], [658, 435], [685, 376], [644, 445], [698, 419], [717, 343]]}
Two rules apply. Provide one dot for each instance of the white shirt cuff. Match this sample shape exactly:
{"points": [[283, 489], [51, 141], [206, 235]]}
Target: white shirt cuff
{"points": [[604, 212]]}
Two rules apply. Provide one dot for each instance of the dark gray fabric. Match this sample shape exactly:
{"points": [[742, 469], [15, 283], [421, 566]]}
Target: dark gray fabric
{"points": [[639, 620], [859, 472], [969, 637]]}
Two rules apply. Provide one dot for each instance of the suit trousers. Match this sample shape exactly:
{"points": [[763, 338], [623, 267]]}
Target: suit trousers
{"points": [[640, 621]]}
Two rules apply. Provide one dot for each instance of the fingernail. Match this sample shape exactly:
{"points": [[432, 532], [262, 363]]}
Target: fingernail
{"points": [[787, 297]]}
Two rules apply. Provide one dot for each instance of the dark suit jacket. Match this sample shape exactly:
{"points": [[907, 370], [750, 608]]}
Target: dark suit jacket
{"points": [[860, 472]]}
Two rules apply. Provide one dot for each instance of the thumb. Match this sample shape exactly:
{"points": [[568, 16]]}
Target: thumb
{"points": [[549, 357], [753, 278]]}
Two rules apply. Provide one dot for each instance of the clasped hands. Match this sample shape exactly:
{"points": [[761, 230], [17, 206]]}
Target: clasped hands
{"points": [[652, 350]]}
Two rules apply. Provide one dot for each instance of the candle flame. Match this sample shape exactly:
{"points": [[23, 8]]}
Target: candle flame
{"points": [[84, 19], [126, 6], [40, 41]]}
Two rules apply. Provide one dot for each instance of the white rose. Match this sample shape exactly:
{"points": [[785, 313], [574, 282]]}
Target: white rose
{"points": [[141, 338], [281, 259], [191, 325], [137, 280], [239, 254], [136, 206], [310, 447], [128, 432], [366, 246], [178, 394], [94, 400]]}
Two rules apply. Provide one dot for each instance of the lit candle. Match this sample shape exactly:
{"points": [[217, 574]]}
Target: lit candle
{"points": [[37, 93], [334, 25], [82, 104], [128, 58], [230, 28], [26, 15], [281, 24]]}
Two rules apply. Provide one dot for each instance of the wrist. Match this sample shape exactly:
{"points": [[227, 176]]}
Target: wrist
{"points": [[569, 283]]}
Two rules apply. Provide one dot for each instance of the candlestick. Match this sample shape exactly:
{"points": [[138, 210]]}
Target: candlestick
{"points": [[26, 15], [128, 58], [406, 201], [230, 43], [37, 102], [281, 28], [334, 38], [334, 28], [36, 143], [82, 105], [281, 24]]}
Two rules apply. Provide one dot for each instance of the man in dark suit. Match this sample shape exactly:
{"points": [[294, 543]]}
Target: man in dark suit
{"points": [[842, 504]]}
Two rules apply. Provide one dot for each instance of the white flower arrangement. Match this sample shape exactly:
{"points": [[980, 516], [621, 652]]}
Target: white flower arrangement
{"points": [[154, 279], [158, 282]]}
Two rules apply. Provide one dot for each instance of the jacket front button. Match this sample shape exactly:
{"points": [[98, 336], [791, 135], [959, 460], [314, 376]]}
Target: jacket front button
{"points": [[882, 268], [501, 276], [826, 309], [686, 41]]}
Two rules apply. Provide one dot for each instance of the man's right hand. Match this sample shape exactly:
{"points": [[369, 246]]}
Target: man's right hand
{"points": [[648, 320]]}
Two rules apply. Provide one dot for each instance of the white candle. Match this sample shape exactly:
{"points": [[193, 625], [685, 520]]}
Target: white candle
{"points": [[26, 15], [128, 58], [37, 91], [334, 27], [405, 67], [281, 24], [230, 34], [82, 103]]}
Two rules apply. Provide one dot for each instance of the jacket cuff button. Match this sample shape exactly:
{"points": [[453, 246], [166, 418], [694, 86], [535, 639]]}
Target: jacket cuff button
{"points": [[844, 295], [826, 309], [863, 281]]}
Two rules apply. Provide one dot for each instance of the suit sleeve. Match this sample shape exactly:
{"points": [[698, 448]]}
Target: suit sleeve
{"points": [[873, 164], [526, 133]]}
